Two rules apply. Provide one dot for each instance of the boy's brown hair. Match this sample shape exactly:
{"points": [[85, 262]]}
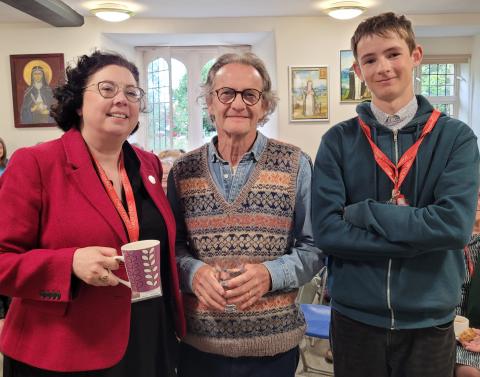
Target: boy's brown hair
{"points": [[382, 25]]}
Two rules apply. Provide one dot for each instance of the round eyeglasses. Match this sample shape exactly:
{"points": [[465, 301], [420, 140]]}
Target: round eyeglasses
{"points": [[249, 96], [109, 89]]}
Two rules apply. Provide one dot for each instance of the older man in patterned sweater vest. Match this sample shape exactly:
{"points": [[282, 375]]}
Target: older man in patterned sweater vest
{"points": [[242, 203]]}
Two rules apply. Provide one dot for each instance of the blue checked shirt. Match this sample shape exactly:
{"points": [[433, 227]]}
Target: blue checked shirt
{"points": [[291, 270]]}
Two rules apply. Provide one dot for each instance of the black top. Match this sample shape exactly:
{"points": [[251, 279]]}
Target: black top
{"points": [[4, 302], [152, 346]]}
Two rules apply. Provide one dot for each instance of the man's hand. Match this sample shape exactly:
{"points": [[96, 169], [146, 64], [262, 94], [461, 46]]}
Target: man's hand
{"points": [[1, 325], [247, 288], [208, 290]]}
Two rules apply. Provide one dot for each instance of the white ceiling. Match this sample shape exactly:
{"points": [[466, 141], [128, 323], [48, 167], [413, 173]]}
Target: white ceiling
{"points": [[252, 8], [265, 8]]}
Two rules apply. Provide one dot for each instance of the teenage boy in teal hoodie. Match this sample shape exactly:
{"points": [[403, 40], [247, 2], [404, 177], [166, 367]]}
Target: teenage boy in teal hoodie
{"points": [[394, 194]]}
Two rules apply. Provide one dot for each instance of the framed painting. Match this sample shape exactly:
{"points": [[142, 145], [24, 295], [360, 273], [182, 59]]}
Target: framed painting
{"points": [[352, 89], [308, 88], [33, 78]]}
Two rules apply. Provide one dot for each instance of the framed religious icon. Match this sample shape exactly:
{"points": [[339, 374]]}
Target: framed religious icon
{"points": [[33, 79], [352, 89], [308, 93]]}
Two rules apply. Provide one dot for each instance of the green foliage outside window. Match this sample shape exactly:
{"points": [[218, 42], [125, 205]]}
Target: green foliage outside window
{"points": [[207, 126], [438, 80], [180, 114], [162, 134]]}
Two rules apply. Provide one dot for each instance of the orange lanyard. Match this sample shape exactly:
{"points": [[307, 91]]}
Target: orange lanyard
{"points": [[131, 219], [398, 172]]}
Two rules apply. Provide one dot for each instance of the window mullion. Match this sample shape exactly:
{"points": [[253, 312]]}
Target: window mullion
{"points": [[170, 104]]}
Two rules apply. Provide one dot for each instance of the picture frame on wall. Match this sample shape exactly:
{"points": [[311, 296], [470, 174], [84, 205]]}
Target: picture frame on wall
{"points": [[352, 89], [34, 76], [308, 93]]}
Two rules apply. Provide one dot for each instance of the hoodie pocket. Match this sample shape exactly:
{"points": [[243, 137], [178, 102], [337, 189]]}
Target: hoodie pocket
{"points": [[359, 285]]}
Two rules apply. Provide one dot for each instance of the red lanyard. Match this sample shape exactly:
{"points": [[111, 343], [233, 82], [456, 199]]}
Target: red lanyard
{"points": [[468, 257], [397, 173], [130, 220]]}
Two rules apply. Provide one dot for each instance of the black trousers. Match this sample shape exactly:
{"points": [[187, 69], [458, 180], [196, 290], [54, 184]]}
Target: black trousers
{"points": [[367, 351], [195, 363]]}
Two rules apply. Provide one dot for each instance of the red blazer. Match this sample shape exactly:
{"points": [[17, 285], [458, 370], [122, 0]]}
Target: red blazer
{"points": [[51, 203]]}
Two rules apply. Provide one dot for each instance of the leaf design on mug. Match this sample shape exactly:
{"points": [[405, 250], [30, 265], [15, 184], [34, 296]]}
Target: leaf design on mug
{"points": [[150, 269]]}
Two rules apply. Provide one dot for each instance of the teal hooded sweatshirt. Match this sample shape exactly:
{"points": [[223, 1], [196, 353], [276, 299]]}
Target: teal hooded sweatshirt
{"points": [[397, 267]]}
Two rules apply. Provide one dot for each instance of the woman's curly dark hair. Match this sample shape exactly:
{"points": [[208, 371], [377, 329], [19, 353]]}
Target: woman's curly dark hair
{"points": [[70, 95]]}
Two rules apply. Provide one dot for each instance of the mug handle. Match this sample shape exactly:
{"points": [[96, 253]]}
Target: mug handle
{"points": [[120, 258]]}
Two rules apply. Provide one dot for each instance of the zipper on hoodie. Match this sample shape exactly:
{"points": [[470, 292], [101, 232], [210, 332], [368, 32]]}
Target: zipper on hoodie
{"points": [[395, 143], [389, 302]]}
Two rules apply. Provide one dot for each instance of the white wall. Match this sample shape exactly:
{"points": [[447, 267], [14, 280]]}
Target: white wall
{"points": [[292, 41], [266, 50], [446, 46]]}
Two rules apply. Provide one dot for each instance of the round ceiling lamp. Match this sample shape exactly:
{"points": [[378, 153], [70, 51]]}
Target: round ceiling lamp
{"points": [[345, 10], [112, 12]]}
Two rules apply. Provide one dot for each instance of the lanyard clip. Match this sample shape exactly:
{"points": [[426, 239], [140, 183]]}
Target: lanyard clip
{"points": [[398, 199]]}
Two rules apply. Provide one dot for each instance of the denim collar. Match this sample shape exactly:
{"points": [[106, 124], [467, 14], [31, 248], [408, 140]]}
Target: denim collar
{"points": [[254, 153]]}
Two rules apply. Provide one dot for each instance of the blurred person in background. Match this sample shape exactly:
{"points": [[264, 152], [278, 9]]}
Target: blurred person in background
{"points": [[468, 353], [3, 156]]}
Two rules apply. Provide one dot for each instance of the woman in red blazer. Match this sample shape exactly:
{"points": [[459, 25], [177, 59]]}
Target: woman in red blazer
{"points": [[60, 229]]}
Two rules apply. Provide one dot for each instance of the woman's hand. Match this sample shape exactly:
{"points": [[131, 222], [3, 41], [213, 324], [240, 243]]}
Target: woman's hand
{"points": [[93, 264], [1, 325]]}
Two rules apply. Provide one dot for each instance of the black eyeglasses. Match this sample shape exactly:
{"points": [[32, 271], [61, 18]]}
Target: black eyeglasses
{"points": [[109, 89], [249, 96]]}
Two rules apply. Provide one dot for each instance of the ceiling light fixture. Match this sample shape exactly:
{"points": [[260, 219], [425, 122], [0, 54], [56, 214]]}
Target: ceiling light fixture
{"points": [[112, 12], [345, 10]]}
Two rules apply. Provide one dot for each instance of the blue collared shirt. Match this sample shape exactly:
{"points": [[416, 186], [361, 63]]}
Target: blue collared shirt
{"points": [[293, 269]]}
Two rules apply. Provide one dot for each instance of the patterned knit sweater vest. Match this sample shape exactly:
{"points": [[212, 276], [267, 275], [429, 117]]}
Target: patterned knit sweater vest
{"points": [[254, 228]]}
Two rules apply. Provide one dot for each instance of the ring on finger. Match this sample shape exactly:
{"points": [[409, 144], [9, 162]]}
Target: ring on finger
{"points": [[104, 278]]}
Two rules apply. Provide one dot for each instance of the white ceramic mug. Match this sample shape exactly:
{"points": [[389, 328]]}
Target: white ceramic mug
{"points": [[460, 324], [142, 263]]}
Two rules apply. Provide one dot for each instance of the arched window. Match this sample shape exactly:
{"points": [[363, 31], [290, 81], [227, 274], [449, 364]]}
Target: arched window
{"points": [[167, 109], [175, 118]]}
